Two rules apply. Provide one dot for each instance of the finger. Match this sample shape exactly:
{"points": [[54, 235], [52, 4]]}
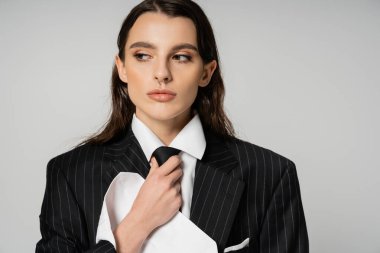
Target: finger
{"points": [[170, 165], [176, 175], [178, 187]]}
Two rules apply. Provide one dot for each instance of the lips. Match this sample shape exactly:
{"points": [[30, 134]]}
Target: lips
{"points": [[161, 95]]}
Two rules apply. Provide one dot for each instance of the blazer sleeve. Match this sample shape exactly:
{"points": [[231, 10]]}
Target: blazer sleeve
{"points": [[62, 225], [284, 226]]}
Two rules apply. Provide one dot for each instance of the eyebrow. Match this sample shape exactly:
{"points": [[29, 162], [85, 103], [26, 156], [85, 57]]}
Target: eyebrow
{"points": [[175, 48]]}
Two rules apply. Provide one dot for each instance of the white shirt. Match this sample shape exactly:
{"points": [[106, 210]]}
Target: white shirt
{"points": [[190, 140], [179, 234]]}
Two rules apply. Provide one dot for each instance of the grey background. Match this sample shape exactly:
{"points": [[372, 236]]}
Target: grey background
{"points": [[306, 73]]}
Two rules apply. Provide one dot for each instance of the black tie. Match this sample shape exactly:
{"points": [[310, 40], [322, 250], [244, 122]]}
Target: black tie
{"points": [[163, 153]]}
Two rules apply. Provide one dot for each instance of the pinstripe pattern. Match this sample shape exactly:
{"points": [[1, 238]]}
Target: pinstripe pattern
{"points": [[240, 191]]}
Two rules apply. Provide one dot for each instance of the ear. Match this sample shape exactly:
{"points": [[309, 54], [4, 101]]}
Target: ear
{"points": [[208, 70], [121, 69]]}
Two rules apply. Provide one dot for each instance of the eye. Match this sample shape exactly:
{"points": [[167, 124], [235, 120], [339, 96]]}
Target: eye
{"points": [[142, 57], [182, 58]]}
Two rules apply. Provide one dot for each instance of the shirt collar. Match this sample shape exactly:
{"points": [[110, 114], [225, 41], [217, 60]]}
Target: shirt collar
{"points": [[190, 139]]}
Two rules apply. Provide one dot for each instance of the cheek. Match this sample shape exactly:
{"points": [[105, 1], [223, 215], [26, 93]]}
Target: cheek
{"points": [[136, 80], [188, 83], [188, 94], [135, 75], [133, 94], [192, 80], [136, 88]]}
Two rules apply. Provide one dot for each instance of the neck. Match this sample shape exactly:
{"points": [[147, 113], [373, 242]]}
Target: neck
{"points": [[166, 130]]}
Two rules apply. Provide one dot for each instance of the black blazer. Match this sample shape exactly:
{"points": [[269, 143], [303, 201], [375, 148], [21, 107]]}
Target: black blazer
{"points": [[240, 191]]}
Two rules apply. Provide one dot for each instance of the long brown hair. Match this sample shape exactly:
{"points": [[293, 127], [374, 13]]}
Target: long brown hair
{"points": [[209, 100]]}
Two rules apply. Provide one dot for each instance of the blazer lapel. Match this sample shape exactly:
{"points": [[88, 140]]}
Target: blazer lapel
{"points": [[128, 155], [216, 193]]}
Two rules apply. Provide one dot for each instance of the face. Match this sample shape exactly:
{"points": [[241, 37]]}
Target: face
{"points": [[163, 68]]}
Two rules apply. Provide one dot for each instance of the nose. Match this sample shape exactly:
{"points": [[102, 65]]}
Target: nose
{"points": [[162, 72]]}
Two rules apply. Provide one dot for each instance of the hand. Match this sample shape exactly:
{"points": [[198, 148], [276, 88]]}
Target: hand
{"points": [[158, 200]]}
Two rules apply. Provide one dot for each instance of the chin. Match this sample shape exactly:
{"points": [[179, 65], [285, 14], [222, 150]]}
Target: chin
{"points": [[162, 114]]}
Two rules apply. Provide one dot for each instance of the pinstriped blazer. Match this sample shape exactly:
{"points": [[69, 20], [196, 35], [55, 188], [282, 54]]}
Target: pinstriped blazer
{"points": [[240, 191]]}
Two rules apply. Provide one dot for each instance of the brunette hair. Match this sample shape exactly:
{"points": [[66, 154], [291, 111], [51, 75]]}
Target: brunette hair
{"points": [[209, 100]]}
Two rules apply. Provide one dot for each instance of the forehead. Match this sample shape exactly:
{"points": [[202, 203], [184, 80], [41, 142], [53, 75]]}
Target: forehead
{"points": [[161, 29]]}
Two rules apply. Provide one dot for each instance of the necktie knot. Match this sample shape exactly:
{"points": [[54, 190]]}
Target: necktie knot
{"points": [[163, 153]]}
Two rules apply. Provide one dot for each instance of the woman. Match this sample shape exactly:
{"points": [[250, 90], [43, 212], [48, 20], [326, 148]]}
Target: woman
{"points": [[167, 90]]}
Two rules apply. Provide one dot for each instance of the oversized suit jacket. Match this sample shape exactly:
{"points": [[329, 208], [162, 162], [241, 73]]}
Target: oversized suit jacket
{"points": [[240, 191]]}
